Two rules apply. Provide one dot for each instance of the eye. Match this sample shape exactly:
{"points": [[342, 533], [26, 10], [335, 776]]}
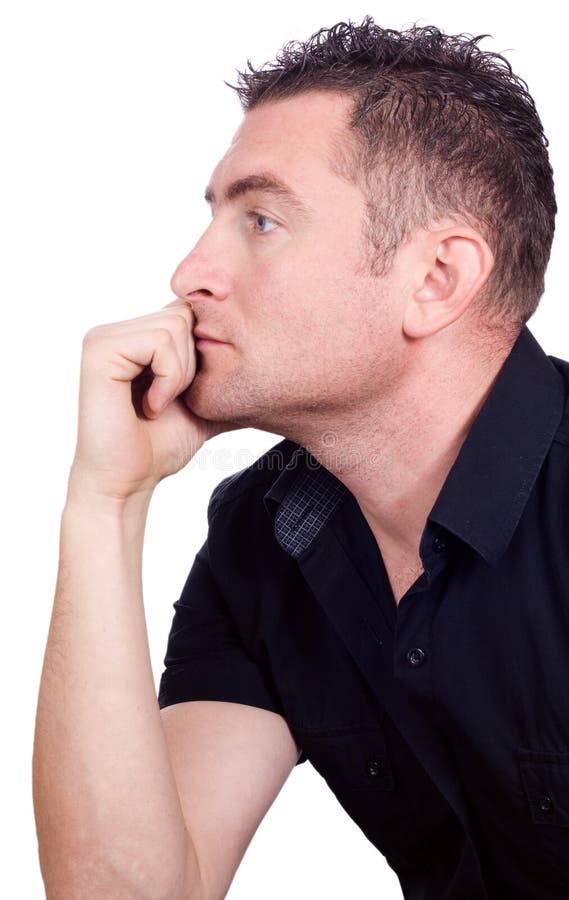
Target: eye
{"points": [[258, 222]]}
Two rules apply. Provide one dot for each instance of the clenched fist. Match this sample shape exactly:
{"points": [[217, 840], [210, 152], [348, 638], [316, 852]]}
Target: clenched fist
{"points": [[134, 428]]}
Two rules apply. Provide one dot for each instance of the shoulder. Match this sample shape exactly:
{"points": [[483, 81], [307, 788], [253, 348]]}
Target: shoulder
{"points": [[247, 483]]}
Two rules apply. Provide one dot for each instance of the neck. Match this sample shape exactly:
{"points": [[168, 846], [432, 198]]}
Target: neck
{"points": [[395, 453]]}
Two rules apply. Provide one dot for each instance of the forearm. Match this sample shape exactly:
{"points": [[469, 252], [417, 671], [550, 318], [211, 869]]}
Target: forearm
{"points": [[108, 814]]}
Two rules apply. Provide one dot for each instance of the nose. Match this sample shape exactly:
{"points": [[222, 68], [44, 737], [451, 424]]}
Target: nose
{"points": [[201, 274]]}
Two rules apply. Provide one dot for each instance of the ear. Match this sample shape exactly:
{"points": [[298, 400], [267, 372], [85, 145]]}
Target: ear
{"points": [[452, 266]]}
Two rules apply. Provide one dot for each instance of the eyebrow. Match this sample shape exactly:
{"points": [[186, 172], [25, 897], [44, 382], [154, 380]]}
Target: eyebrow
{"points": [[265, 183]]}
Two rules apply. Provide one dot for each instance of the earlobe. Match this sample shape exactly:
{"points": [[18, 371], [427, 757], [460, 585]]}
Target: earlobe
{"points": [[457, 267]]}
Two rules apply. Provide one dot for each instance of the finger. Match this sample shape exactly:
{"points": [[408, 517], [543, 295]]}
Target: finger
{"points": [[179, 301], [178, 319], [185, 346], [169, 374], [177, 308]]}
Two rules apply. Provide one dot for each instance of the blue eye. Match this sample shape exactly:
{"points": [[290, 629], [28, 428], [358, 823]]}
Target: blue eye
{"points": [[259, 221]]}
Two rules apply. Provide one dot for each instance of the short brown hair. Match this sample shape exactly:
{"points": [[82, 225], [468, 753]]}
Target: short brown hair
{"points": [[441, 128]]}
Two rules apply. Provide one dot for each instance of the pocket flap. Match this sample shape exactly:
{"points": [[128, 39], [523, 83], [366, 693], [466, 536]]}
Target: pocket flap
{"points": [[545, 777], [357, 759]]}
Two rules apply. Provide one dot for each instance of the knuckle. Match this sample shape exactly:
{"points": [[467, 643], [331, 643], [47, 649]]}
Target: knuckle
{"points": [[171, 370], [93, 340], [164, 335], [180, 325], [91, 335]]}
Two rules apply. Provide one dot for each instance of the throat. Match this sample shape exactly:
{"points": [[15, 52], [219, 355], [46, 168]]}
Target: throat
{"points": [[402, 574], [403, 564], [401, 584]]}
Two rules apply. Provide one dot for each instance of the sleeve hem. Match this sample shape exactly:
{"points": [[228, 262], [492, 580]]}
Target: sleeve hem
{"points": [[213, 678]]}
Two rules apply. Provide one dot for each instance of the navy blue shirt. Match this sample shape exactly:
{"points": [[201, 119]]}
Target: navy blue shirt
{"points": [[442, 723]]}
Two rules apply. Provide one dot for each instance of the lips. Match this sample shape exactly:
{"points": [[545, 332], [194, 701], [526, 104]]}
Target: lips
{"points": [[201, 335]]}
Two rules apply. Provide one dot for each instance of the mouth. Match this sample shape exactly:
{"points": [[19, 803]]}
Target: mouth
{"points": [[202, 338]]}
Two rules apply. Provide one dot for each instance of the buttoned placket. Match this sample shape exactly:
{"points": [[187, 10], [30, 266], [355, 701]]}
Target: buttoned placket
{"points": [[357, 618], [413, 637]]}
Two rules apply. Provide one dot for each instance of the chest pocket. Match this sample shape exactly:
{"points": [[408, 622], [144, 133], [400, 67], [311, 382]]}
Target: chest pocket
{"points": [[354, 759], [545, 780], [545, 777]]}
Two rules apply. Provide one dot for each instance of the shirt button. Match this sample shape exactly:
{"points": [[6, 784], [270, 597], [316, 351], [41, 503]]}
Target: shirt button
{"points": [[545, 803], [439, 546], [416, 656], [374, 768]]}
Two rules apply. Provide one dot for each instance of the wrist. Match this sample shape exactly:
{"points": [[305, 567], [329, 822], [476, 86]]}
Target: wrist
{"points": [[86, 495]]}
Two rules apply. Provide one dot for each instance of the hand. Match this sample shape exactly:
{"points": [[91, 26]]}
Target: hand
{"points": [[134, 429]]}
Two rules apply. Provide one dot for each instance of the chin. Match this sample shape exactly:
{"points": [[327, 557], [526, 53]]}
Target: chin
{"points": [[208, 402], [240, 399]]}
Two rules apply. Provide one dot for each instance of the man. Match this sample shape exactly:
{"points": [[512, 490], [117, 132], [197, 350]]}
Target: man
{"points": [[384, 592]]}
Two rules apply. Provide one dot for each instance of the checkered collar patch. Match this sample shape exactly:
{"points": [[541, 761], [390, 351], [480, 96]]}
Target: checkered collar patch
{"points": [[306, 502]]}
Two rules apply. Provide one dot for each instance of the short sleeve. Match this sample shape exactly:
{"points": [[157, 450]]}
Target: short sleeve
{"points": [[205, 657]]}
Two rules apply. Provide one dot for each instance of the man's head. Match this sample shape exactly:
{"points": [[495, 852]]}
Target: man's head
{"points": [[387, 223], [437, 127]]}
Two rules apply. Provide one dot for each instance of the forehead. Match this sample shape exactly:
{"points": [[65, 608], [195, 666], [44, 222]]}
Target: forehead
{"points": [[299, 137]]}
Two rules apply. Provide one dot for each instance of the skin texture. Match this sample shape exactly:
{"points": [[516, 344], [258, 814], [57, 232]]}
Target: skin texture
{"points": [[380, 378]]}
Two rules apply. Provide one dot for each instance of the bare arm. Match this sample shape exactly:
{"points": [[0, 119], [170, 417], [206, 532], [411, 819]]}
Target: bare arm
{"points": [[230, 762], [108, 814], [134, 803]]}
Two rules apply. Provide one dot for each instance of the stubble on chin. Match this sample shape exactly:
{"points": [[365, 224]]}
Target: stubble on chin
{"points": [[209, 400]]}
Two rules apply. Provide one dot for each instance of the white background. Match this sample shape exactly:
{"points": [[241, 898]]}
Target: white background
{"points": [[113, 116]]}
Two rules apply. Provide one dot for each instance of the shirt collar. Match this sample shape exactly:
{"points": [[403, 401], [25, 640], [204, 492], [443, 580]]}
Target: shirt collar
{"points": [[302, 500], [487, 488]]}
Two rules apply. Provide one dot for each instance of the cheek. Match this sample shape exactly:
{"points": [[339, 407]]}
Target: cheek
{"points": [[315, 300], [279, 298]]}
